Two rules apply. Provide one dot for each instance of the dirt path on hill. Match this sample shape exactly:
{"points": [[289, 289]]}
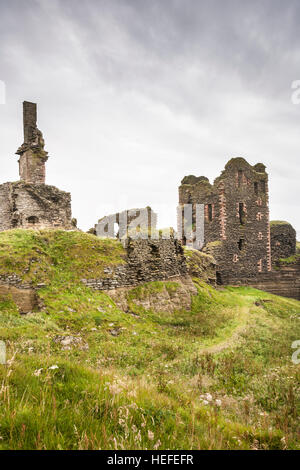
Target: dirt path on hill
{"points": [[234, 340]]}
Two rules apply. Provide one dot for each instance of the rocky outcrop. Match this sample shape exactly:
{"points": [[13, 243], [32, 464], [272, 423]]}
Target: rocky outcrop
{"points": [[164, 296], [25, 299]]}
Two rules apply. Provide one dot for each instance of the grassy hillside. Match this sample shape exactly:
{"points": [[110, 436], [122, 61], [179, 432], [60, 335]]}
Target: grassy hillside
{"points": [[82, 374]]}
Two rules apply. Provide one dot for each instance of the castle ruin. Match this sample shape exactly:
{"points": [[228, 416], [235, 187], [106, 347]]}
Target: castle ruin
{"points": [[236, 218], [30, 203]]}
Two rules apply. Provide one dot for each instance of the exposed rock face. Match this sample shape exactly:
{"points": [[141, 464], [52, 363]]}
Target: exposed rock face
{"points": [[146, 260], [283, 240], [24, 205], [25, 299], [168, 297], [236, 216]]}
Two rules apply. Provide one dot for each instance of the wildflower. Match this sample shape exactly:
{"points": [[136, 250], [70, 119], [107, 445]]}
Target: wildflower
{"points": [[156, 446], [53, 367], [218, 402], [37, 372], [150, 435], [205, 402], [209, 397]]}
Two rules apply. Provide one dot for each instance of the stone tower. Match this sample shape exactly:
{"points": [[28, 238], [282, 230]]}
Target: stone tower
{"points": [[30, 203], [32, 154], [236, 218]]}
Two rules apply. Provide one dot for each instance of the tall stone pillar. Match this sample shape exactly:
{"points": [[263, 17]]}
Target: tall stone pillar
{"points": [[32, 154]]}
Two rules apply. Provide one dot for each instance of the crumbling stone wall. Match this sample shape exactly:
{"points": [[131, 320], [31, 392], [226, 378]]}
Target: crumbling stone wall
{"points": [[34, 206], [144, 219], [30, 203], [283, 240], [283, 280], [32, 154], [236, 218], [146, 260]]}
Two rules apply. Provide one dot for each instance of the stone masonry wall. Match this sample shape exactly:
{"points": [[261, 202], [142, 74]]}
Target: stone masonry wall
{"points": [[34, 206], [283, 280], [32, 153], [146, 260], [236, 218], [283, 240]]}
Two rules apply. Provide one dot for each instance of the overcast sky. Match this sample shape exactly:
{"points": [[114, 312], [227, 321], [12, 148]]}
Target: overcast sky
{"points": [[135, 94]]}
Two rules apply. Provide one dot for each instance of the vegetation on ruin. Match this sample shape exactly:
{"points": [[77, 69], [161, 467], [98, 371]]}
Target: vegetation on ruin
{"points": [[56, 255], [82, 374], [278, 222], [290, 260]]}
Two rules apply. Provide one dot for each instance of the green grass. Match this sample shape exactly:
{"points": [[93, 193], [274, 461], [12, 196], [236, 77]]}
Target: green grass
{"points": [[144, 387]]}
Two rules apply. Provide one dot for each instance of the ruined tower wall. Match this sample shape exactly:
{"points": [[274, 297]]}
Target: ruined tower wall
{"points": [[283, 240], [30, 203], [236, 222], [34, 206], [32, 168], [32, 154]]}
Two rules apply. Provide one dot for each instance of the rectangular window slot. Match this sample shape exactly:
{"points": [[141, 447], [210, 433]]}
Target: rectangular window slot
{"points": [[241, 243], [210, 212], [242, 213]]}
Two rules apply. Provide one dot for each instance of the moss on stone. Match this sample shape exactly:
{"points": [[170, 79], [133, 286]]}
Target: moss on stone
{"points": [[278, 222]]}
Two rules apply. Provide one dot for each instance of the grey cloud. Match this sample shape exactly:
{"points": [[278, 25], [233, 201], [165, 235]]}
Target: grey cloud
{"points": [[133, 94]]}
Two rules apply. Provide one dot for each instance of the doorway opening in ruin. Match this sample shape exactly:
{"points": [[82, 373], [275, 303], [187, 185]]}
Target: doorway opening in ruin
{"points": [[256, 188], [32, 219], [241, 243], [219, 278], [263, 186], [242, 214]]}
